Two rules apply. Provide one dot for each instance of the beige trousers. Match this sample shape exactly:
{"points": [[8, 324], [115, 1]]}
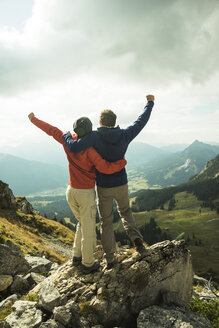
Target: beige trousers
{"points": [[105, 206], [83, 205]]}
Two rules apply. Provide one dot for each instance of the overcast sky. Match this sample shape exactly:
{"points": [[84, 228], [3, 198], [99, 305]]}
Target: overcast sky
{"points": [[66, 59]]}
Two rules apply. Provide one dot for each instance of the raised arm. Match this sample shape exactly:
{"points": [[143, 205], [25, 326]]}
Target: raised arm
{"points": [[75, 146], [133, 130], [47, 128], [104, 166]]}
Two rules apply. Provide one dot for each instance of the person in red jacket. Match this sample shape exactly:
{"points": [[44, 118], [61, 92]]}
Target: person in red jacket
{"points": [[80, 193]]}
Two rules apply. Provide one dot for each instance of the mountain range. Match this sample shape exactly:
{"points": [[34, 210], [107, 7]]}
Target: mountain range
{"points": [[26, 177], [177, 168], [157, 167], [205, 186]]}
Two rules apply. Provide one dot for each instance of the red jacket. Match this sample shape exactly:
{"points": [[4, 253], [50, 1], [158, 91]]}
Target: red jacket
{"points": [[82, 173]]}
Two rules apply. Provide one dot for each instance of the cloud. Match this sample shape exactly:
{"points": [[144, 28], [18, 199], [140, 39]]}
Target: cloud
{"points": [[145, 41], [74, 58]]}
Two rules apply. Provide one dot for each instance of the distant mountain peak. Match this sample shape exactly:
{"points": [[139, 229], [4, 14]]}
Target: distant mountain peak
{"points": [[197, 142]]}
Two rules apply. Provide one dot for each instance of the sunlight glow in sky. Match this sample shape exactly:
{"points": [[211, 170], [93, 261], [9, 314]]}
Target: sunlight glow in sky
{"points": [[66, 59]]}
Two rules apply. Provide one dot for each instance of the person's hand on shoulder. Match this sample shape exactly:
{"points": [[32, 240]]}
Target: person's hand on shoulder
{"points": [[67, 132], [150, 97], [30, 116]]}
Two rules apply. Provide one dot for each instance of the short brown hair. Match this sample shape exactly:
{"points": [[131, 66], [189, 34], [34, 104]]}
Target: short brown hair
{"points": [[107, 117]]}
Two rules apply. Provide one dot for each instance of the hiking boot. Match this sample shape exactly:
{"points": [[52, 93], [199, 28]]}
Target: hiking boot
{"points": [[140, 247], [90, 269], [76, 261], [110, 265]]}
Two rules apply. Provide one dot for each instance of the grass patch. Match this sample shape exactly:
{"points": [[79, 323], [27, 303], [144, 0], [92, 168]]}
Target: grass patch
{"points": [[5, 312], [27, 231], [210, 309], [32, 298], [136, 181]]}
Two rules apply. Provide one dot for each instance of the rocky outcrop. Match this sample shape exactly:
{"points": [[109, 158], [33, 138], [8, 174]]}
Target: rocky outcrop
{"points": [[25, 315], [12, 261], [38, 264], [7, 199], [115, 297], [25, 206], [18, 274], [137, 292]]}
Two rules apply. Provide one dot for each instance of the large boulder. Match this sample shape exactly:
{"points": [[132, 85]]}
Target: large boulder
{"points": [[25, 315], [115, 297], [68, 315], [20, 285], [49, 297], [7, 199], [38, 264], [12, 261]]}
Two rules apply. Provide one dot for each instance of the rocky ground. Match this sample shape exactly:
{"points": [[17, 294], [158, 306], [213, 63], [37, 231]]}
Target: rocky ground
{"points": [[153, 291], [149, 292]]}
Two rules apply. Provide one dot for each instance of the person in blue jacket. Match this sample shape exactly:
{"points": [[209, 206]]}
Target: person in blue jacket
{"points": [[111, 143]]}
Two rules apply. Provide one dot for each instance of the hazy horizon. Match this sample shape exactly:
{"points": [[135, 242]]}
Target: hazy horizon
{"points": [[63, 60], [51, 152]]}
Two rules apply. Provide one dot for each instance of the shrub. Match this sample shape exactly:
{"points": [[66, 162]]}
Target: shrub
{"points": [[32, 298], [209, 309]]}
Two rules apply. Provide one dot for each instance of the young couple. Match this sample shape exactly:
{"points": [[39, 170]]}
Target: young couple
{"points": [[98, 156]]}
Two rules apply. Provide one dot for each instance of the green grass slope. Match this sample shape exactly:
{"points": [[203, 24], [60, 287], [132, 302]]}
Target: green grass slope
{"points": [[200, 225], [29, 231]]}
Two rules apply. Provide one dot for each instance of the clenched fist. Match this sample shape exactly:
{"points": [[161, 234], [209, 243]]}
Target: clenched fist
{"points": [[31, 115], [150, 97]]}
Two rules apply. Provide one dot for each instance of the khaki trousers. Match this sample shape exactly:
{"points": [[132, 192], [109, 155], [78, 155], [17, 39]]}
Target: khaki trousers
{"points": [[105, 206], [83, 205]]}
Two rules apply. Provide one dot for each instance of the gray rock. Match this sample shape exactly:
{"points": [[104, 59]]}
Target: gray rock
{"points": [[25, 206], [38, 264], [12, 261], [5, 281], [7, 199], [68, 315], [34, 278], [49, 297], [114, 297], [13, 247], [172, 299], [157, 317], [169, 270], [20, 285], [51, 324], [25, 315], [8, 301]]}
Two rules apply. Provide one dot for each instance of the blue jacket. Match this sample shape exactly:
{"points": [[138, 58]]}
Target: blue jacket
{"points": [[111, 144]]}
